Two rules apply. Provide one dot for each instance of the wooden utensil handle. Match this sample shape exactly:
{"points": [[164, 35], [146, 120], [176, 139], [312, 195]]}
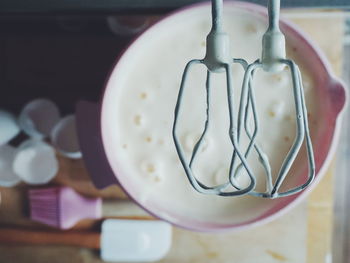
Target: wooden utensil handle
{"points": [[18, 236]]}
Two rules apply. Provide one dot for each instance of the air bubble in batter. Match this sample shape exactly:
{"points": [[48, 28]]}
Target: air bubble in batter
{"points": [[250, 28], [190, 140], [143, 95], [150, 170], [148, 139], [276, 109], [221, 176], [280, 79], [138, 120]]}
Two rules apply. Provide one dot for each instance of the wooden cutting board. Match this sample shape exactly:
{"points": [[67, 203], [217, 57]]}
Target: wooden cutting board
{"points": [[303, 235]]}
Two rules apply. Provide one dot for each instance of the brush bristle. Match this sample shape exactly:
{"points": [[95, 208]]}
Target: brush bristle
{"points": [[45, 206], [62, 207]]}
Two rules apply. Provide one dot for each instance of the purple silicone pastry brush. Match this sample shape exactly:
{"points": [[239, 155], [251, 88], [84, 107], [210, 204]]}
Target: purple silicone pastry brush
{"points": [[62, 207]]}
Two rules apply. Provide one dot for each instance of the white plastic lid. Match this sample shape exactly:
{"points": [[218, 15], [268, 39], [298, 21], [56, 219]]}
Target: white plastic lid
{"points": [[35, 162], [38, 117], [135, 240], [7, 176]]}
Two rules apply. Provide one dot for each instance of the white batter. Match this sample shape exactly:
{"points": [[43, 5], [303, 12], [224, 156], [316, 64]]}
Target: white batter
{"points": [[144, 111]]}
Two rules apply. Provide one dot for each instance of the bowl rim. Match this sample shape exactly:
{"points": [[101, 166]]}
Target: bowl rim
{"points": [[296, 199]]}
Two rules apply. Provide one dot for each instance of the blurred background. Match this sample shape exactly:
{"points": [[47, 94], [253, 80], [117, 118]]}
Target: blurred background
{"points": [[63, 50]]}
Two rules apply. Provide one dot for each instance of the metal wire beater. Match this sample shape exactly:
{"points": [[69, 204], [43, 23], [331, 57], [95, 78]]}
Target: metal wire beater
{"points": [[218, 60]]}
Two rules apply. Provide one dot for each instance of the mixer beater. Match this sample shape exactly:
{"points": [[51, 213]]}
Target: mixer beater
{"points": [[218, 60], [274, 60]]}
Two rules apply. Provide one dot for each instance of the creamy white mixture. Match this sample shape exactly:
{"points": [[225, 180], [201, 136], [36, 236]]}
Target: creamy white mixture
{"points": [[144, 102]]}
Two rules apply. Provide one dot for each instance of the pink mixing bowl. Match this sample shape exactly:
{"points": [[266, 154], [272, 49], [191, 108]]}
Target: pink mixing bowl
{"points": [[102, 160]]}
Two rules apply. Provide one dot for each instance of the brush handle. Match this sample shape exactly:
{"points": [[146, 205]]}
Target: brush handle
{"points": [[17, 236], [116, 208]]}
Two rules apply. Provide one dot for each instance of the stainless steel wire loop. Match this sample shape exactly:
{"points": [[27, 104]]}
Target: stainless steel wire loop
{"points": [[218, 60]]}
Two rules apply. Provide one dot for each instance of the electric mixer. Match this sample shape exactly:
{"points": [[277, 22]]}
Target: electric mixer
{"points": [[218, 60]]}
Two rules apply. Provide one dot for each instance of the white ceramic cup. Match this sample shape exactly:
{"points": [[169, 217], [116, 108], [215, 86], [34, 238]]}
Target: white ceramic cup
{"points": [[64, 137], [35, 162], [38, 117]]}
